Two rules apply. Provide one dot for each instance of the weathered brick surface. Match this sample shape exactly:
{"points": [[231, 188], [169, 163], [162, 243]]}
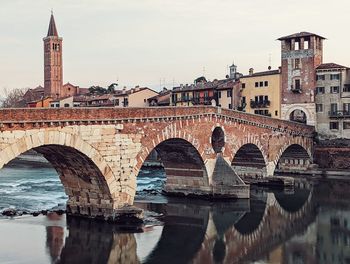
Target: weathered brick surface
{"points": [[114, 143]]}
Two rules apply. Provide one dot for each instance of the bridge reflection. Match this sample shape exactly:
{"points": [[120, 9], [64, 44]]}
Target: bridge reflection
{"points": [[193, 231]]}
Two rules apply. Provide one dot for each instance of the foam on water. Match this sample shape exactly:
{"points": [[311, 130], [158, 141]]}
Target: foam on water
{"points": [[31, 184]]}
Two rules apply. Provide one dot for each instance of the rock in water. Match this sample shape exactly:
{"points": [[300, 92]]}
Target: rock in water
{"points": [[9, 212]]}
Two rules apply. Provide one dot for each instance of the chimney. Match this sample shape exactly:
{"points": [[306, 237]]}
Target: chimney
{"points": [[251, 71]]}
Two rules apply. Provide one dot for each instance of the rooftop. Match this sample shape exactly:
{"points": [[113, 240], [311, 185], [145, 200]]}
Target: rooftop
{"points": [[300, 35], [52, 31], [263, 73], [326, 66]]}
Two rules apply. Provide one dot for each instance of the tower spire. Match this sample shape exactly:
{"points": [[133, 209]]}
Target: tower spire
{"points": [[52, 31]]}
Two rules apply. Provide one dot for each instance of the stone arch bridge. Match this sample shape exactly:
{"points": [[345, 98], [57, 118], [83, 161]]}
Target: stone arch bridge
{"points": [[98, 152]]}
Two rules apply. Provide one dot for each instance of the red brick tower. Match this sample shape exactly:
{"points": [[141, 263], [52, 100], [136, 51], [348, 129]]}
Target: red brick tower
{"points": [[301, 53], [53, 74]]}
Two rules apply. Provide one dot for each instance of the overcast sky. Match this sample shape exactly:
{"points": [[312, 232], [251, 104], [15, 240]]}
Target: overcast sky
{"points": [[140, 42]]}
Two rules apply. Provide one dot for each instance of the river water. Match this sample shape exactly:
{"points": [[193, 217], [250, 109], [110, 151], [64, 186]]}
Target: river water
{"points": [[307, 224]]}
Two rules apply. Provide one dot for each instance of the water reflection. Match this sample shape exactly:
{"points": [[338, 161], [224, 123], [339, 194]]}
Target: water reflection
{"points": [[197, 232]]}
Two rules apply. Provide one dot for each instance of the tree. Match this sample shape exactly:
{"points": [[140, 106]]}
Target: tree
{"points": [[112, 87], [13, 98], [97, 90]]}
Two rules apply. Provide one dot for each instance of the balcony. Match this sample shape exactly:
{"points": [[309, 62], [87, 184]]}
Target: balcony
{"points": [[259, 104], [202, 100], [296, 89], [339, 114]]}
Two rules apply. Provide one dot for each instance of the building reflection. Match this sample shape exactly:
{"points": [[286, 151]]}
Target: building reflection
{"points": [[298, 226]]}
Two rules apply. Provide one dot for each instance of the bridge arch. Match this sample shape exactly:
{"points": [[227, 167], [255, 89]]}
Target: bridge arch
{"points": [[87, 179], [250, 160], [293, 157], [299, 108], [183, 164]]}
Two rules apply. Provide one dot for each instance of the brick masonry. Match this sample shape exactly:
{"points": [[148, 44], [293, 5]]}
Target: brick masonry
{"points": [[99, 152]]}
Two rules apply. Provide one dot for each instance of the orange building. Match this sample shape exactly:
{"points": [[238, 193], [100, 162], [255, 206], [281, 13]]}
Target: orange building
{"points": [[45, 102]]}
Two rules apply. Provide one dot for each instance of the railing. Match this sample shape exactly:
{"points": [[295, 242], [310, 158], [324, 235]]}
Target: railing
{"points": [[296, 89], [259, 104], [339, 114], [202, 100]]}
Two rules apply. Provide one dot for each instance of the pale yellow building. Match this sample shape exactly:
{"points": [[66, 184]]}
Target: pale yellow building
{"points": [[261, 93]]}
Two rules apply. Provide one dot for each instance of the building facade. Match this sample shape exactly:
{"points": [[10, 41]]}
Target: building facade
{"points": [[261, 93], [333, 101], [301, 54]]}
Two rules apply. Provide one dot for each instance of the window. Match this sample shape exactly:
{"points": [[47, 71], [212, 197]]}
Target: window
{"points": [[334, 125], [335, 76], [346, 108], [261, 84], [144, 100], [297, 84], [173, 98], [66, 105], [243, 85], [196, 94], [243, 100], [266, 83], [297, 64], [116, 102], [276, 113], [296, 45], [319, 108], [346, 125], [320, 77], [219, 94], [319, 90], [334, 89], [206, 94], [306, 44], [346, 88], [229, 93], [334, 108], [125, 102], [229, 106], [256, 84]]}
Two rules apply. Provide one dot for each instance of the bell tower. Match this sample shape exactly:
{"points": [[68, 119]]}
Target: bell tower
{"points": [[53, 74]]}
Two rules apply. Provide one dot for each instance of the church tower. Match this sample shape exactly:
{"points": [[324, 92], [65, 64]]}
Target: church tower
{"points": [[53, 70]]}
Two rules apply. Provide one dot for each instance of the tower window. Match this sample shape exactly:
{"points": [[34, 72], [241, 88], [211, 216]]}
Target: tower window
{"points": [[296, 45], [297, 63], [297, 85], [306, 44]]}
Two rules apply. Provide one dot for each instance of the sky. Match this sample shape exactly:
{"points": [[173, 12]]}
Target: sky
{"points": [[158, 43]]}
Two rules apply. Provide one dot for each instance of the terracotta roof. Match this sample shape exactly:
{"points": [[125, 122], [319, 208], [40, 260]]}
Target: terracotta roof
{"points": [[264, 73], [216, 84], [52, 31], [300, 35], [325, 66]]}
